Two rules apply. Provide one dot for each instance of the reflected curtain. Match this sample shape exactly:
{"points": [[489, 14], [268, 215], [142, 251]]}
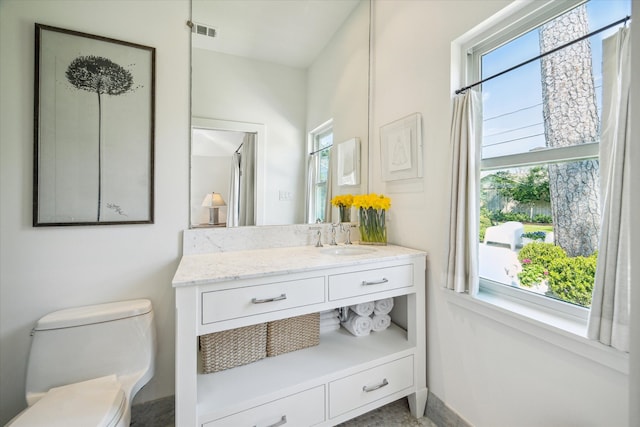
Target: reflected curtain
{"points": [[312, 170], [330, 172], [247, 195], [233, 204], [609, 315], [462, 252]]}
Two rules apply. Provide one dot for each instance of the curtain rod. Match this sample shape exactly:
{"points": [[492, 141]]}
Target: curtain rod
{"points": [[542, 55], [317, 151]]}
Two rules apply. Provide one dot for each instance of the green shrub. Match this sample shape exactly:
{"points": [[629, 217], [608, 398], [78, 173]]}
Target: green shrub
{"points": [[532, 274], [535, 235], [535, 259], [499, 216], [540, 253], [542, 219], [485, 223], [571, 278]]}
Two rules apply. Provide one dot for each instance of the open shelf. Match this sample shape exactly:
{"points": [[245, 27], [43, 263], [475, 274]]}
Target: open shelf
{"points": [[338, 351]]}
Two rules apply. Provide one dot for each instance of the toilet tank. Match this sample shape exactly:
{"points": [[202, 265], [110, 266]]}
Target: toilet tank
{"points": [[87, 342]]}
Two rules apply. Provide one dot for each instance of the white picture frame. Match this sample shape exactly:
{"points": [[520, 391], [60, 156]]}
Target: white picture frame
{"points": [[401, 148], [349, 162]]}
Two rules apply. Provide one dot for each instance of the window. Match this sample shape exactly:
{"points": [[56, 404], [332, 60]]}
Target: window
{"points": [[540, 186], [321, 140]]}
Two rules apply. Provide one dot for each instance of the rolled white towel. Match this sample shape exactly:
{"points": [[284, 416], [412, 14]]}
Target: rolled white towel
{"points": [[380, 322], [358, 325], [383, 306], [329, 322], [330, 314], [363, 309], [329, 328]]}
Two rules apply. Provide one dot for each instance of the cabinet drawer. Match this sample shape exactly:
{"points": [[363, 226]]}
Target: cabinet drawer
{"points": [[367, 386], [301, 409], [369, 281], [250, 300]]}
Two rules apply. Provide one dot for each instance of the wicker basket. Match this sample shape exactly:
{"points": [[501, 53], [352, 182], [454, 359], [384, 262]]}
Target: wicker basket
{"points": [[294, 333], [234, 347]]}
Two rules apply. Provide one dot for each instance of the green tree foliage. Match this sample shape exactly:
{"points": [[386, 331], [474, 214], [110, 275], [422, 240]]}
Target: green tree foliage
{"points": [[532, 188]]}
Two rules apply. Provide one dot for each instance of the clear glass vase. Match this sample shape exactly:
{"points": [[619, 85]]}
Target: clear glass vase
{"points": [[373, 228], [345, 213]]}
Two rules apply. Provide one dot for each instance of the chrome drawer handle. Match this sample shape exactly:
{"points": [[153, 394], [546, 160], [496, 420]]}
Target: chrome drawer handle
{"points": [[262, 301], [375, 387], [282, 422], [375, 282]]}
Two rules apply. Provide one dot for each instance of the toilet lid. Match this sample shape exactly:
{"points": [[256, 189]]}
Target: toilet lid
{"points": [[99, 402]]}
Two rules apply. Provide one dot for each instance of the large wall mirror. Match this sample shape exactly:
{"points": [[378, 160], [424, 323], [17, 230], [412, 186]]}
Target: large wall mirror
{"points": [[270, 79]]}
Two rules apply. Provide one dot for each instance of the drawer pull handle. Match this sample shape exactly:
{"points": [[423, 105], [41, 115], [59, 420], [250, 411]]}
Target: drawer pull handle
{"points": [[375, 282], [367, 389], [282, 422], [262, 301]]}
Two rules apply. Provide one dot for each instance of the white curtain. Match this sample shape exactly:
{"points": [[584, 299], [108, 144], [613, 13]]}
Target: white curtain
{"points": [[247, 213], [233, 204], [312, 168], [330, 172], [610, 306], [462, 263]]}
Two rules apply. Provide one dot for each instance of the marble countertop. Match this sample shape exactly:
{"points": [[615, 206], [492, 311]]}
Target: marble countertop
{"points": [[244, 264]]}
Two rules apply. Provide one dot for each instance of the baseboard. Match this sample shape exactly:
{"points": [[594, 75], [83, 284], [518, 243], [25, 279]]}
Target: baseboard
{"points": [[442, 415]]}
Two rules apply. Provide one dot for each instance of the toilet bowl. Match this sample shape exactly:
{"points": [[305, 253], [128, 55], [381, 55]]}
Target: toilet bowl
{"points": [[87, 363]]}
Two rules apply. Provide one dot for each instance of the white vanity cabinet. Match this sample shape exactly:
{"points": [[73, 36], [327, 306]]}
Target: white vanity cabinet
{"points": [[341, 378]]}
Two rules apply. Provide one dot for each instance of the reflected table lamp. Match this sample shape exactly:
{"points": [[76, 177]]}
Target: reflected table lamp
{"points": [[213, 201]]}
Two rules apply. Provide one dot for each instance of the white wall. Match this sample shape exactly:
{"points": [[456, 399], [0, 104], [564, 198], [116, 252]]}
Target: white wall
{"points": [[228, 87], [45, 269], [338, 88], [491, 374]]}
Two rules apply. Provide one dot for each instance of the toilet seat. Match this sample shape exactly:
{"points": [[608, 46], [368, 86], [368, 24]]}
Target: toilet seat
{"points": [[100, 402]]}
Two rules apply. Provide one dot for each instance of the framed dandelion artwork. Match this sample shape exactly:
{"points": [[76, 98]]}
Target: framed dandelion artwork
{"points": [[93, 130]]}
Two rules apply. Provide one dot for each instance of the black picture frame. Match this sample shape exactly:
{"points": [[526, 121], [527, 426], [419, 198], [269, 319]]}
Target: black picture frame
{"points": [[94, 124]]}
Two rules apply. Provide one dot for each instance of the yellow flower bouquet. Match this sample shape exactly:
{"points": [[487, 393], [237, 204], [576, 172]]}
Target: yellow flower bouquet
{"points": [[343, 202], [372, 210]]}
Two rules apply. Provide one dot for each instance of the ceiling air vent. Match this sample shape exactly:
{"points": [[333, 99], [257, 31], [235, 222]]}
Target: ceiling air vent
{"points": [[203, 30]]}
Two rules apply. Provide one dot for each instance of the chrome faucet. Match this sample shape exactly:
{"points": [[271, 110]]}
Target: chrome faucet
{"points": [[319, 235], [333, 234], [347, 228]]}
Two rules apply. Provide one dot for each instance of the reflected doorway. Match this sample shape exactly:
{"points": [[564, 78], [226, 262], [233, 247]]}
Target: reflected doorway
{"points": [[223, 162]]}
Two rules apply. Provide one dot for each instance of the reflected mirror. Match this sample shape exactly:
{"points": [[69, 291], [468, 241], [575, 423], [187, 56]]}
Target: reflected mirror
{"points": [[270, 80]]}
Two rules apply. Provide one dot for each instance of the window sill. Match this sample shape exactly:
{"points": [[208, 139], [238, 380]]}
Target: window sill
{"points": [[566, 333]]}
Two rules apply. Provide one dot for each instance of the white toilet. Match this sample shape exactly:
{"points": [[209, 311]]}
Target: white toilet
{"points": [[87, 363]]}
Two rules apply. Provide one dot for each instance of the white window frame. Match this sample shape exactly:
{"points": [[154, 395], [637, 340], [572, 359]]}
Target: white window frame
{"points": [[313, 146], [578, 152], [512, 307]]}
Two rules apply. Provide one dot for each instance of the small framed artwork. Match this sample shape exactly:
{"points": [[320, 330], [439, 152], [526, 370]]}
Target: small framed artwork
{"points": [[349, 162], [94, 115], [401, 148]]}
